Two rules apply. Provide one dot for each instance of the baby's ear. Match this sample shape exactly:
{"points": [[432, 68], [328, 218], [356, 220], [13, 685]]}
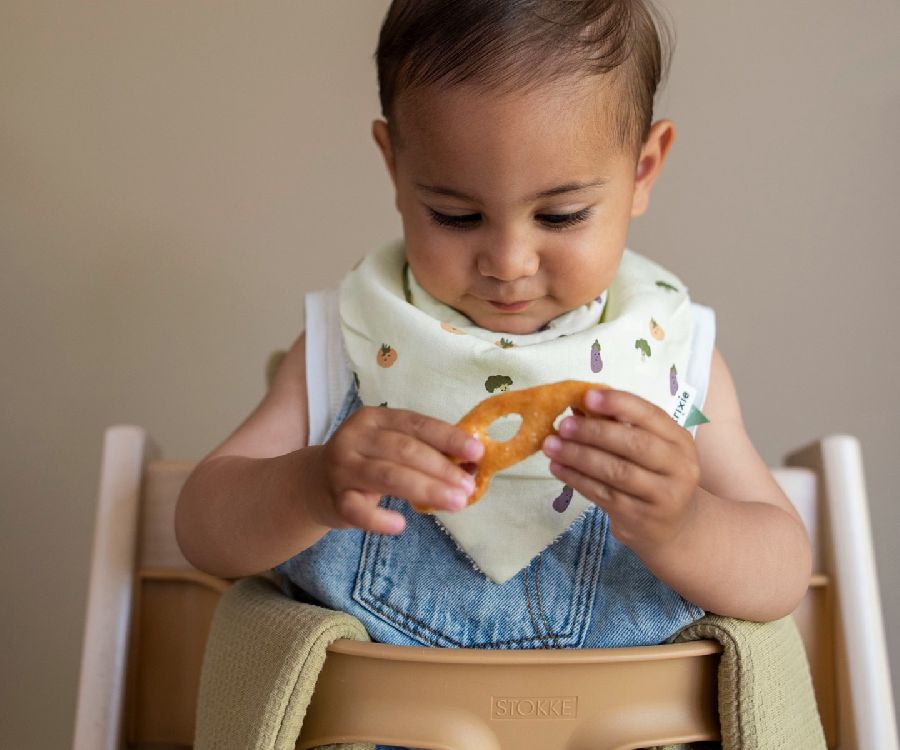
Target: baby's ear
{"points": [[382, 135], [650, 161]]}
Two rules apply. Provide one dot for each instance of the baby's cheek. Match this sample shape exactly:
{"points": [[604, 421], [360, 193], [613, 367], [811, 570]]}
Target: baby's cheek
{"points": [[440, 269]]}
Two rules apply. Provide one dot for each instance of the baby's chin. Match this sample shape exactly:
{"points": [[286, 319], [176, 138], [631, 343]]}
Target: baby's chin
{"points": [[519, 325], [530, 320]]}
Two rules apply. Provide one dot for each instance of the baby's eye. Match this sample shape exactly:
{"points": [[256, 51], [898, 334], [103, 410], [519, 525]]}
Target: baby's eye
{"points": [[465, 221], [561, 221]]}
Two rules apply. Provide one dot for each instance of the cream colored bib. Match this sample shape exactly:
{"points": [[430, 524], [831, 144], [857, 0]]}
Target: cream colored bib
{"points": [[424, 356]]}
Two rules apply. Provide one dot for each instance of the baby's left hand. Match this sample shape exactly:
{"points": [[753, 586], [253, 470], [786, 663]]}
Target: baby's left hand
{"points": [[634, 461]]}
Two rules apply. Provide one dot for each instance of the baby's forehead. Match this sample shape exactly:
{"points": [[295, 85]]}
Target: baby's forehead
{"points": [[507, 151], [575, 110]]}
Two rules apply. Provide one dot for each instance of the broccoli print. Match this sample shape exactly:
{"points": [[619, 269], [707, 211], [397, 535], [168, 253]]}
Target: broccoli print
{"points": [[504, 344], [498, 382], [667, 287], [673, 381], [643, 347], [596, 360]]}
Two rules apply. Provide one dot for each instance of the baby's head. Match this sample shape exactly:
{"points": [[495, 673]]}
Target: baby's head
{"points": [[519, 137]]}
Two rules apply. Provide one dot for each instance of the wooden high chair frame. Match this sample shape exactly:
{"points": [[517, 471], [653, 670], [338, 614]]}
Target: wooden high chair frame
{"points": [[149, 610]]}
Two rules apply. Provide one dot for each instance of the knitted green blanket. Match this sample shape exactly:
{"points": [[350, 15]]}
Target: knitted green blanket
{"points": [[766, 699], [265, 652]]}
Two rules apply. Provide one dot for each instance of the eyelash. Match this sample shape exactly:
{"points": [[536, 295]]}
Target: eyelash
{"points": [[553, 222]]}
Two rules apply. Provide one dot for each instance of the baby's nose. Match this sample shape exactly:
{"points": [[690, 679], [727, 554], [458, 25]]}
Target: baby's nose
{"points": [[508, 258]]}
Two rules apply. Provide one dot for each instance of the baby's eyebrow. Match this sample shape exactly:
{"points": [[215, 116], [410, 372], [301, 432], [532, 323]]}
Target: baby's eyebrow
{"points": [[569, 187]]}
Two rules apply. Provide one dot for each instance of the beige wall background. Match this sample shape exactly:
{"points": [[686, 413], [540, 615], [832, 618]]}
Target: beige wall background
{"points": [[174, 176]]}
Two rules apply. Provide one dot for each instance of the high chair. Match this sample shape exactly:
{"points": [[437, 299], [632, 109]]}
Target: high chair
{"points": [[149, 611]]}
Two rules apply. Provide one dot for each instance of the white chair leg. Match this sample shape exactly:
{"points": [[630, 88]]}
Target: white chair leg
{"points": [[98, 717], [866, 705]]}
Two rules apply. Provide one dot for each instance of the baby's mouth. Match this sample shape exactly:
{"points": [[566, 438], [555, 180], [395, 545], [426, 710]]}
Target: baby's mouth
{"points": [[511, 307]]}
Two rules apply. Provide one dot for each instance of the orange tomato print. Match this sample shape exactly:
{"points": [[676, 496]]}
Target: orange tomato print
{"points": [[386, 356]]}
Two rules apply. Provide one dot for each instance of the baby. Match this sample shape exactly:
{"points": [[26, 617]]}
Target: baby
{"points": [[520, 141]]}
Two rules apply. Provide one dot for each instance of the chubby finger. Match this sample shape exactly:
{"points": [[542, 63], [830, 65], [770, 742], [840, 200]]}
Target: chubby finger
{"points": [[390, 478], [607, 469], [361, 510], [442, 436], [602, 495], [634, 410], [628, 441], [408, 451]]}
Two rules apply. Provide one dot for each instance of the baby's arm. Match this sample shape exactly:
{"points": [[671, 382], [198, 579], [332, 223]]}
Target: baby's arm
{"points": [[746, 552], [263, 495], [235, 514], [706, 516]]}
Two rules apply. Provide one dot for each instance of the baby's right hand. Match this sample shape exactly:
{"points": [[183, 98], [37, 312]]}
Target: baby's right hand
{"points": [[381, 451]]}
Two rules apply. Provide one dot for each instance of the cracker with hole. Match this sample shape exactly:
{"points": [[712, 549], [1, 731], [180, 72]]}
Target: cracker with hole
{"points": [[538, 406]]}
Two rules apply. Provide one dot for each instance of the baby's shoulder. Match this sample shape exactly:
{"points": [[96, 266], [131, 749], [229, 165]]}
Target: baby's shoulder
{"points": [[279, 423], [730, 465], [286, 369], [721, 394]]}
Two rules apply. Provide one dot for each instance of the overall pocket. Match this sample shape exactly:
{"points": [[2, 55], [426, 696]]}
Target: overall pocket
{"points": [[421, 584]]}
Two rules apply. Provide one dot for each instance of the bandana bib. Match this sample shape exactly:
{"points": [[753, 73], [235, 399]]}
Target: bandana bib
{"points": [[408, 350]]}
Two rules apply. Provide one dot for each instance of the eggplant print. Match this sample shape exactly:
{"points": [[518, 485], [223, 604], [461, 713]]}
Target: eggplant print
{"points": [[596, 359], [562, 501]]}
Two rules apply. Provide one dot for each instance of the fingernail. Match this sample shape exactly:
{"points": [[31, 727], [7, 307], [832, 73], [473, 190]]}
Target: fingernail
{"points": [[456, 498], [567, 426], [552, 444], [468, 483], [594, 399], [396, 525], [473, 448]]}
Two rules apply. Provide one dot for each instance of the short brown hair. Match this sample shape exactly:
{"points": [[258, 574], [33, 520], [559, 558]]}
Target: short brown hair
{"points": [[509, 44]]}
